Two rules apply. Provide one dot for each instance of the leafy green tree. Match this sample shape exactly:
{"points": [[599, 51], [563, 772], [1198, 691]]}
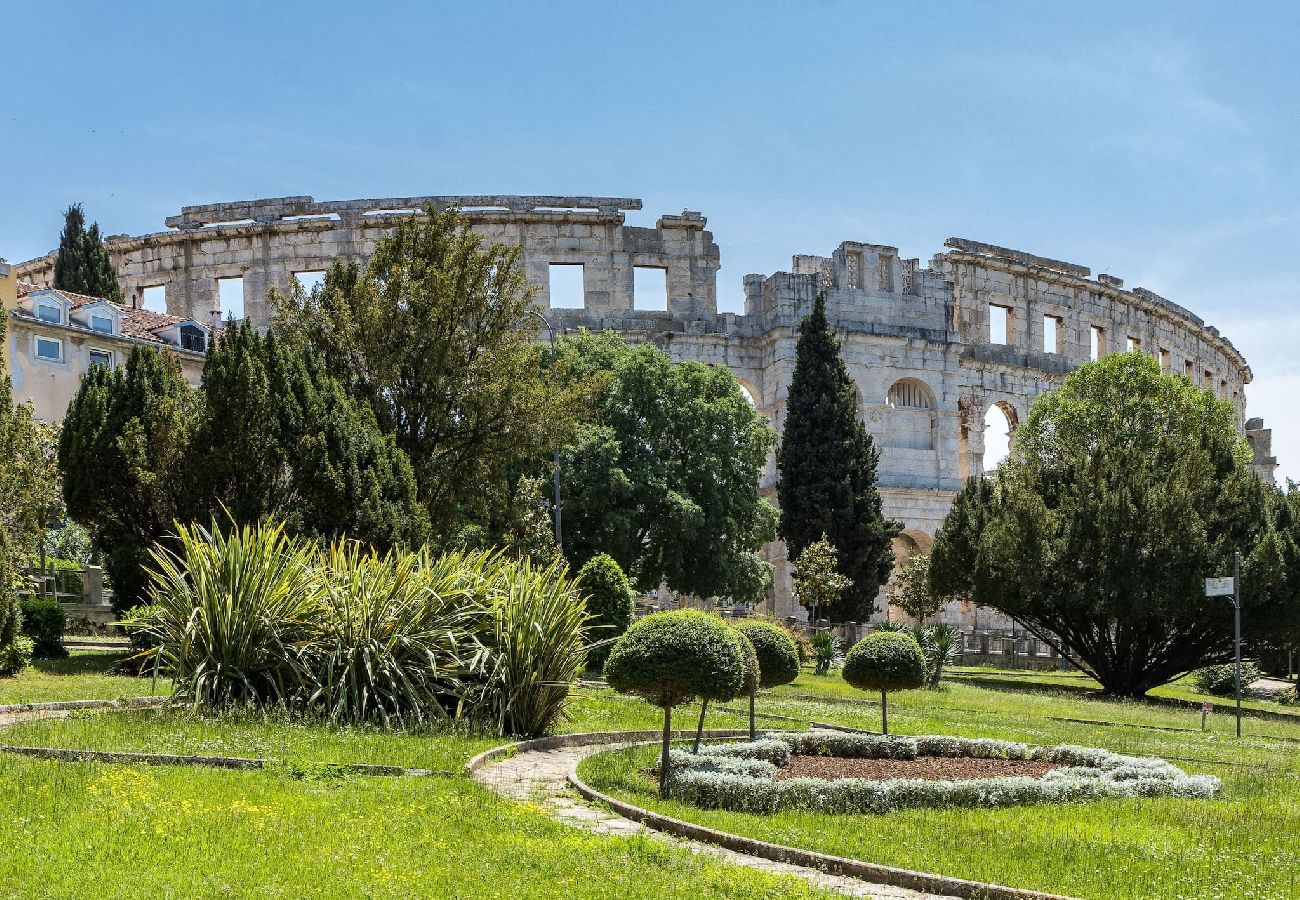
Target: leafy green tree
{"points": [[670, 658], [827, 463], [436, 335], [121, 454], [1126, 489], [609, 603], [666, 478], [909, 589], [305, 452], [29, 475], [15, 647], [885, 661], [83, 265], [818, 584]]}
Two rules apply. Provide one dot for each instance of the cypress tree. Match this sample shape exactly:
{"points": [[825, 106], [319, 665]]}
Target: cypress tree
{"points": [[83, 265], [306, 452], [827, 466]]}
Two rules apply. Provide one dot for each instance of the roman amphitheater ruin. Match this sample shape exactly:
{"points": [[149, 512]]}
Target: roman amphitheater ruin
{"points": [[936, 351]]}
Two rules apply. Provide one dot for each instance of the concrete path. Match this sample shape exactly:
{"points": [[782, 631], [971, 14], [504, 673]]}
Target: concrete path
{"points": [[541, 776]]}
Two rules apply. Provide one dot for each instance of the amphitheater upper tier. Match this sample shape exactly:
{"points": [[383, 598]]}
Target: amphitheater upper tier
{"points": [[932, 349]]}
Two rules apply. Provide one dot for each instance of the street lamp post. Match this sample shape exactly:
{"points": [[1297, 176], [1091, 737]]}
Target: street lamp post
{"points": [[559, 531]]}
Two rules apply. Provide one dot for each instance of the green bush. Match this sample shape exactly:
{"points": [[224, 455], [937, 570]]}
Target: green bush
{"points": [[609, 603], [235, 613], [536, 635], [1221, 681], [391, 637], [885, 661], [15, 647], [669, 658], [777, 657], [44, 622]]}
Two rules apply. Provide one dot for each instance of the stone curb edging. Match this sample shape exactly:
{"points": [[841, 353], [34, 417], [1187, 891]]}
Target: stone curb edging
{"points": [[870, 872], [63, 705], [588, 738], [64, 754]]}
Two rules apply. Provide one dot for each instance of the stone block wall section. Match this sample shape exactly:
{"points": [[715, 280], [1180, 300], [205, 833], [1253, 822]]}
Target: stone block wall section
{"points": [[931, 350]]}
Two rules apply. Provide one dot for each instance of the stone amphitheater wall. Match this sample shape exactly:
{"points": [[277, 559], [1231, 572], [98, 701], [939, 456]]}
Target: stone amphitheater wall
{"points": [[925, 345]]}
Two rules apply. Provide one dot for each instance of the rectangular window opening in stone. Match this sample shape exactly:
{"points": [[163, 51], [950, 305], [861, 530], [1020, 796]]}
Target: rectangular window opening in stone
{"points": [[154, 299], [1051, 334], [887, 274], [1208, 382], [1165, 362], [854, 264], [231, 293], [1097, 344], [567, 286], [1134, 344], [997, 324], [650, 288], [1189, 370], [310, 280]]}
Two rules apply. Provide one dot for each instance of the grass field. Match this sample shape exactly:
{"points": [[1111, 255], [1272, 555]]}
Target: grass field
{"points": [[1243, 844], [89, 830]]}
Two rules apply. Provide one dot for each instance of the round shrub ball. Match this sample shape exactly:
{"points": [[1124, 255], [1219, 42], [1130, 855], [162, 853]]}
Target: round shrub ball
{"points": [[885, 661], [778, 657], [749, 657], [609, 602], [668, 658]]}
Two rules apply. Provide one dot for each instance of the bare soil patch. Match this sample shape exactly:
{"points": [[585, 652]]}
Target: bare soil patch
{"points": [[934, 768]]}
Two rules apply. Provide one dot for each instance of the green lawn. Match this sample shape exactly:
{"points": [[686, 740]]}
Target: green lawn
{"points": [[81, 676], [1243, 844], [106, 831]]}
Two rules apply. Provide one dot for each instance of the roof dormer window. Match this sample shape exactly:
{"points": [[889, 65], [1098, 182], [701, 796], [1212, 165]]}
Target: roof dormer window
{"points": [[102, 324], [193, 338], [49, 312]]}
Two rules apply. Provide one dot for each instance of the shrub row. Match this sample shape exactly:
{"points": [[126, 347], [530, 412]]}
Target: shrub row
{"points": [[741, 777]]}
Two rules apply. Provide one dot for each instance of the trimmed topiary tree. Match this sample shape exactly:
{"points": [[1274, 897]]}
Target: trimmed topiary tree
{"points": [[670, 658], [885, 661], [778, 658], [609, 603], [747, 688]]}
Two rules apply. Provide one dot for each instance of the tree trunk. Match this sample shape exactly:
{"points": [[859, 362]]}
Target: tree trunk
{"points": [[884, 713], [699, 729], [665, 772], [752, 733]]}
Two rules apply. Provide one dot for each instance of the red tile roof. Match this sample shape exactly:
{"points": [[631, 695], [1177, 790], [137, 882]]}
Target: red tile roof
{"points": [[136, 322]]}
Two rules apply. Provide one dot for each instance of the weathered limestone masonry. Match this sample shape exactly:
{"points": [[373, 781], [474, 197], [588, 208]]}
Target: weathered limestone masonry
{"points": [[921, 343]]}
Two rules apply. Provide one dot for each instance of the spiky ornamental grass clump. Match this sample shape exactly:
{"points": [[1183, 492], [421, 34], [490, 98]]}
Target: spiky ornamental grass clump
{"points": [[778, 658], [885, 661], [609, 602], [669, 659]]}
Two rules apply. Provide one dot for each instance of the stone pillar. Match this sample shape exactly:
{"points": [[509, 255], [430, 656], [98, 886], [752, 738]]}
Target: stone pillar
{"points": [[94, 585]]}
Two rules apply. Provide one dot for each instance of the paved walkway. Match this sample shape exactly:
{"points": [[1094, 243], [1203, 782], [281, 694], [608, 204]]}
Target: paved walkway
{"points": [[541, 776]]}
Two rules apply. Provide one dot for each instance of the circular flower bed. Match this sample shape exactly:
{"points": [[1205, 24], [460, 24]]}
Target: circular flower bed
{"points": [[746, 777]]}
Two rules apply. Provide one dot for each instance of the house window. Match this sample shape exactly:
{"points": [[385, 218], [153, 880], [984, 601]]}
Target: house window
{"points": [[50, 349], [101, 358], [193, 338], [49, 312], [102, 324]]}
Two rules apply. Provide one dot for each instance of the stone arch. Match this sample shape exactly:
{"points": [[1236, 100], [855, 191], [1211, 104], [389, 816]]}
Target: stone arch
{"points": [[908, 419], [1001, 420], [907, 544]]}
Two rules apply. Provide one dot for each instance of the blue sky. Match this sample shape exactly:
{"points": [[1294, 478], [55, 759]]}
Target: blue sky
{"points": [[1157, 142]]}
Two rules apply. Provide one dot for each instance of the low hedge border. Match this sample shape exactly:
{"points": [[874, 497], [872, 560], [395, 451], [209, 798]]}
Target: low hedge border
{"points": [[870, 872], [587, 739], [725, 778]]}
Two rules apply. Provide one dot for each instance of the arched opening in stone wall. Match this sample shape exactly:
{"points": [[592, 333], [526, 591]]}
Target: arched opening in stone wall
{"points": [[1000, 424], [906, 545], [910, 426]]}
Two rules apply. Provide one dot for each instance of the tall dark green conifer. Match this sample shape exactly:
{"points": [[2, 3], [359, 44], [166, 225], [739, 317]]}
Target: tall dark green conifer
{"points": [[827, 464], [304, 451], [83, 265]]}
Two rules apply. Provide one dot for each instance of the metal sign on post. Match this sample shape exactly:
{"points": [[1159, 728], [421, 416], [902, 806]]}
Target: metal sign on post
{"points": [[1220, 587]]}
